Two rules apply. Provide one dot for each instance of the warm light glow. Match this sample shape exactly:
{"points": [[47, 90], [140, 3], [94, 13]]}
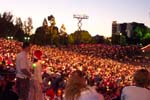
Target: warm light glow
{"points": [[49, 83], [43, 62], [34, 65]]}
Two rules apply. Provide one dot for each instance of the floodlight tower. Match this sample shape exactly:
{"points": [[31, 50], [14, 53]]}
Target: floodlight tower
{"points": [[80, 17]]}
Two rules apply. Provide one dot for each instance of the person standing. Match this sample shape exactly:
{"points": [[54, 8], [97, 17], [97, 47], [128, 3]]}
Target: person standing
{"points": [[36, 78], [23, 72]]}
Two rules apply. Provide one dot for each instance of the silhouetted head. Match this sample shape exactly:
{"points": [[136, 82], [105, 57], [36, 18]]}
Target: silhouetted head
{"points": [[142, 78], [26, 46]]}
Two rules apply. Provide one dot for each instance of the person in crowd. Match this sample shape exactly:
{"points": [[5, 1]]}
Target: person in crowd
{"points": [[9, 93], [23, 72], [139, 91], [86, 57], [36, 79], [77, 89]]}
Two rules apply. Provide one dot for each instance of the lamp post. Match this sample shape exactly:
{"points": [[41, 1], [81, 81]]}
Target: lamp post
{"points": [[80, 18], [27, 38], [120, 39], [10, 37]]}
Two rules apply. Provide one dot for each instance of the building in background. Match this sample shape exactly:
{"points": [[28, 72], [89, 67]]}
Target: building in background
{"points": [[126, 31]]}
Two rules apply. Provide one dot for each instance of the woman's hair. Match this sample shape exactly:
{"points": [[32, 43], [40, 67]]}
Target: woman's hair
{"points": [[75, 85], [142, 77]]}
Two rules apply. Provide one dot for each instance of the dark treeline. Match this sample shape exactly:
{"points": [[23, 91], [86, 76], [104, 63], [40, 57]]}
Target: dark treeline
{"points": [[52, 35]]}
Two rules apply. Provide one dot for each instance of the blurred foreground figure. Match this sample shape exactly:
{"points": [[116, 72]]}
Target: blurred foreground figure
{"points": [[9, 93], [141, 79], [77, 89], [36, 79], [23, 72]]}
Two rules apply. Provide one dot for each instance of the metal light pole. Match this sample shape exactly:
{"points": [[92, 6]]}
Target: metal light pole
{"points": [[80, 17]]}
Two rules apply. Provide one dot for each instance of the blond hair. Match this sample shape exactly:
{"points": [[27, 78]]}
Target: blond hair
{"points": [[75, 85]]}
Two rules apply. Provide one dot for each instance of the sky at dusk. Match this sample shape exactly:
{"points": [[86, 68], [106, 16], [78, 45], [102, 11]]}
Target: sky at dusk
{"points": [[101, 12]]}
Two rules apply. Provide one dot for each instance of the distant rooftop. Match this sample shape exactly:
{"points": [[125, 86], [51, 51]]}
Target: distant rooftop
{"points": [[146, 48]]}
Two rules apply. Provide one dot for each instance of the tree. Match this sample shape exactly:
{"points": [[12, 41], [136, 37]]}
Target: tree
{"points": [[19, 23], [115, 39], [98, 39], [53, 30], [82, 37], [51, 18], [54, 35], [85, 37], [18, 29], [63, 35], [6, 24], [46, 35], [146, 37], [39, 37], [10, 28], [142, 35], [28, 26], [45, 23], [108, 40], [71, 39], [42, 34], [138, 34], [45, 26], [123, 40], [62, 29]]}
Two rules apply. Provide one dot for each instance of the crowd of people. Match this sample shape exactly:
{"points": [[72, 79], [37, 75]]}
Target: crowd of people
{"points": [[127, 54], [108, 68]]}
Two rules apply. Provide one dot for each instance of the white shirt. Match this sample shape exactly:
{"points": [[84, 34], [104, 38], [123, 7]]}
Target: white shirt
{"points": [[135, 93], [90, 94], [21, 63]]}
